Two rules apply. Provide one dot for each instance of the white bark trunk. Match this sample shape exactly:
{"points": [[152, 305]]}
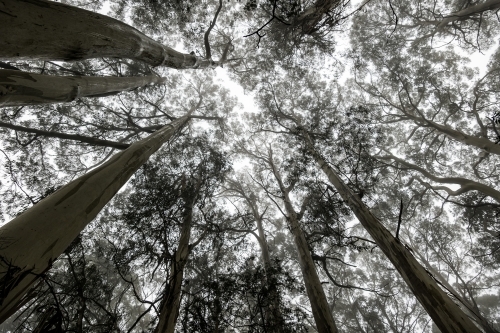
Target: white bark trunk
{"points": [[469, 11], [319, 305], [47, 30], [21, 88], [443, 311], [33, 240]]}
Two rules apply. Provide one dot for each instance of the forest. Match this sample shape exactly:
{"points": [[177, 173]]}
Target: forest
{"points": [[250, 166]]}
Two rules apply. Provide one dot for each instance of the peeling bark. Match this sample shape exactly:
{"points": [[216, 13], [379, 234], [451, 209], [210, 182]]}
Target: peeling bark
{"points": [[443, 311], [21, 88], [33, 240], [47, 30]]}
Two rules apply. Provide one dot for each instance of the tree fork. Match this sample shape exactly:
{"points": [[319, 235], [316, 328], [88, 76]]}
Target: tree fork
{"points": [[33, 240], [444, 312]]}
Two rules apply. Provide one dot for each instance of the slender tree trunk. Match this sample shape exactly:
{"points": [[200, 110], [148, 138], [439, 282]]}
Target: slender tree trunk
{"points": [[319, 305], [21, 88], [172, 297], [274, 318], [33, 240], [47, 30], [443, 311], [468, 12]]}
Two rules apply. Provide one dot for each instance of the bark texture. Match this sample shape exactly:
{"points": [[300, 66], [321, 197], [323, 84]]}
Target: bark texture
{"points": [[33, 240], [443, 311], [172, 297], [20, 88], [47, 30], [319, 305]]}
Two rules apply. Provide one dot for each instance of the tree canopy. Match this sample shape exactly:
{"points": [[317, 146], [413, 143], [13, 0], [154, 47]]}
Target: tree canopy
{"points": [[250, 166]]}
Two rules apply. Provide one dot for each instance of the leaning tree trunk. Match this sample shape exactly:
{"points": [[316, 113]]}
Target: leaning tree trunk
{"points": [[443, 311], [33, 240], [172, 297], [21, 88], [319, 305], [468, 13], [47, 30]]}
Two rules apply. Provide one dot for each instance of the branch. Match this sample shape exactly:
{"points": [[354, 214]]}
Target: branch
{"points": [[75, 137]]}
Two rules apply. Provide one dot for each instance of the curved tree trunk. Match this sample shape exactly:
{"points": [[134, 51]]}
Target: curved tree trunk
{"points": [[21, 88], [443, 311], [47, 30], [33, 240]]}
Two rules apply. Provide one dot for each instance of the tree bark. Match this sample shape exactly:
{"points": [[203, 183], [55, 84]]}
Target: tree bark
{"points": [[47, 30], [172, 298], [443, 311], [468, 12], [319, 305], [33, 240], [21, 88]]}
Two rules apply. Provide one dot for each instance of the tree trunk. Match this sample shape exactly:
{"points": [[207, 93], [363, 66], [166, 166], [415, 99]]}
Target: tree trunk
{"points": [[443, 311], [172, 297], [47, 30], [312, 16], [21, 88], [319, 305], [466, 13], [33, 240]]}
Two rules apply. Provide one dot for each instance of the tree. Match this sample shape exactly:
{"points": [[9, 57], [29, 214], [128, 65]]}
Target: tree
{"points": [[440, 307], [25, 255], [21, 88], [91, 35]]}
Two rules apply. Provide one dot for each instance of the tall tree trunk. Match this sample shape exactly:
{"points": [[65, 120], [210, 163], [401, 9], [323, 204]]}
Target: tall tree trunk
{"points": [[172, 297], [21, 88], [47, 30], [443, 311], [33, 240], [319, 305], [274, 318]]}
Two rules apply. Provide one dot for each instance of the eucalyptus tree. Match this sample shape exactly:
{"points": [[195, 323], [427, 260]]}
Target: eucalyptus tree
{"points": [[79, 294], [69, 33], [306, 120], [21, 88], [423, 24], [67, 211], [170, 200], [268, 165]]}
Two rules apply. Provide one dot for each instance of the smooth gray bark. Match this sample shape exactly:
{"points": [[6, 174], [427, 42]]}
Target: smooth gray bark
{"points": [[319, 304], [33, 240], [468, 12], [443, 311], [21, 88], [47, 30]]}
